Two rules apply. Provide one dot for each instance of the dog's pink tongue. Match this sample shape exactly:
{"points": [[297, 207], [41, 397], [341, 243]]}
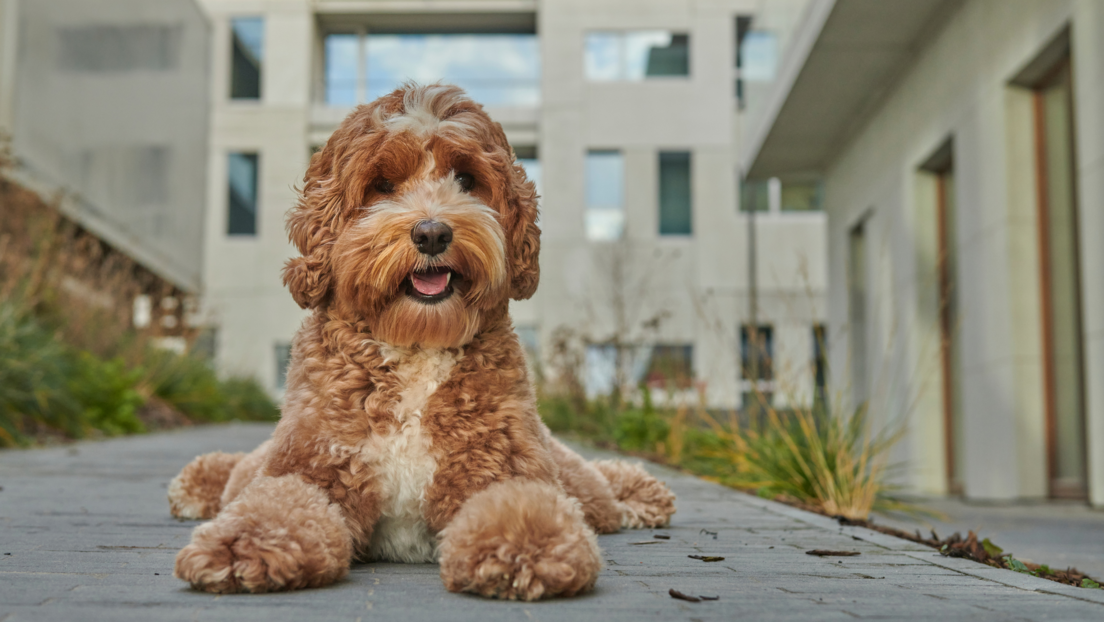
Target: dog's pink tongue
{"points": [[430, 283]]}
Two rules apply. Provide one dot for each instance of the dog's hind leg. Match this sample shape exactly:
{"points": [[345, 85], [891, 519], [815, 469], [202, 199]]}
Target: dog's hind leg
{"points": [[645, 501], [196, 492], [580, 479]]}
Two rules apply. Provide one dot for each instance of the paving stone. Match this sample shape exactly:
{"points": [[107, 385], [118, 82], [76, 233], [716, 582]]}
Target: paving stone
{"points": [[90, 538]]}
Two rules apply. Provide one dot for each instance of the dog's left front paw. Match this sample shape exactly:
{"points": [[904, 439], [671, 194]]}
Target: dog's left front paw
{"points": [[520, 540]]}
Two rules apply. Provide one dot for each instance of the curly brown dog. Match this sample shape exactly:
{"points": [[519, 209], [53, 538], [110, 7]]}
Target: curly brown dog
{"points": [[410, 430]]}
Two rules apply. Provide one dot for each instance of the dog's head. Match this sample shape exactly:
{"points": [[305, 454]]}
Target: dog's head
{"points": [[416, 219]]}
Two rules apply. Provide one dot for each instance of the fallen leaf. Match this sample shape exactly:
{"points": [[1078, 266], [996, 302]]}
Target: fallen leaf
{"points": [[709, 597], [679, 595], [707, 558], [660, 537], [827, 553], [644, 542]]}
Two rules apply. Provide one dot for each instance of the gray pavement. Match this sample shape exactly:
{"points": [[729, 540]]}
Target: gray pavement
{"points": [[90, 538], [1060, 534]]}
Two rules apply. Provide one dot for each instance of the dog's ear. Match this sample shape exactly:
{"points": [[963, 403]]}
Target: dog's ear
{"points": [[311, 227], [524, 236]]}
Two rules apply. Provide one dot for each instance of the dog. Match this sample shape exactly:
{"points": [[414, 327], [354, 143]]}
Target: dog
{"points": [[409, 430]]}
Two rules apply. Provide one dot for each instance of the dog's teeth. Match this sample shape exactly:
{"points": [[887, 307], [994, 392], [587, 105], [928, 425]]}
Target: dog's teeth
{"points": [[448, 277]]}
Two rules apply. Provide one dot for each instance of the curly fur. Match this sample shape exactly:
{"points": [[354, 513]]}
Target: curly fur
{"points": [[645, 501], [409, 429], [519, 540], [196, 491]]}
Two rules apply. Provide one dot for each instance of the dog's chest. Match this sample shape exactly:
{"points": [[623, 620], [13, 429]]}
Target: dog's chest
{"points": [[402, 461]]}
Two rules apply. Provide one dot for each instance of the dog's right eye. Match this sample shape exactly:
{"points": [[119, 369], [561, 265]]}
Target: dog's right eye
{"points": [[384, 187]]}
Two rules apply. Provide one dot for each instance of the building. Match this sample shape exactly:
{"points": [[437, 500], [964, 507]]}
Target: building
{"points": [[961, 145], [625, 112], [105, 102]]}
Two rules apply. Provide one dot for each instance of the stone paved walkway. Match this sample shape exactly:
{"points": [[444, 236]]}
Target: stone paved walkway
{"points": [[85, 534]]}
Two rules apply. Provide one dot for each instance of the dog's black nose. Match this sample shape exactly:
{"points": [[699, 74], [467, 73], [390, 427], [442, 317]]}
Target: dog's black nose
{"points": [[431, 237]]}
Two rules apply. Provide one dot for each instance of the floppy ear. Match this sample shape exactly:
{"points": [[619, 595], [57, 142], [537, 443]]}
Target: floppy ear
{"points": [[311, 226], [524, 237]]}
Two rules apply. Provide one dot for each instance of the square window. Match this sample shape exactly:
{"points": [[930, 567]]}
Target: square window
{"points": [[670, 366], [675, 207], [636, 55], [802, 196], [605, 196], [755, 195], [242, 194], [247, 57]]}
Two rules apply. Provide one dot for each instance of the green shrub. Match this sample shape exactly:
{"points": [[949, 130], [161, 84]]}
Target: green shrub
{"points": [[106, 392], [190, 385], [34, 367]]}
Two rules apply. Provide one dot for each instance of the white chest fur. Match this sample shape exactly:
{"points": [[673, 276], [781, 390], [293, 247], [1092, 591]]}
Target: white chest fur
{"points": [[402, 461]]}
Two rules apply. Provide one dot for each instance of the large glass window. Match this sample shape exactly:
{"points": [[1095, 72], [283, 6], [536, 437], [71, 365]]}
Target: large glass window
{"points": [[675, 207], [494, 69], [605, 196], [247, 57], [636, 55], [242, 191]]}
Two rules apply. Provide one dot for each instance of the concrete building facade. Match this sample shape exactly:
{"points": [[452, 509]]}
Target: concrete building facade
{"points": [[104, 102], [963, 158], [663, 269]]}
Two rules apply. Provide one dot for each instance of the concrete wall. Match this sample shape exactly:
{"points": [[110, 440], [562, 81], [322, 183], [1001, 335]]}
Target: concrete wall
{"points": [[108, 102], [959, 86]]}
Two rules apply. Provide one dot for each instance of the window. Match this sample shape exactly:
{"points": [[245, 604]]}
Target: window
{"points": [[776, 195], [757, 364], [1059, 242], [242, 194], [820, 368], [670, 366], [110, 49], [283, 359], [636, 55], [247, 57], [675, 213], [605, 196], [857, 286], [802, 196], [754, 195], [494, 69]]}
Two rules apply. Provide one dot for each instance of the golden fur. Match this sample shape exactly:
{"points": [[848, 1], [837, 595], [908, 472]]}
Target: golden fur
{"points": [[409, 429]]}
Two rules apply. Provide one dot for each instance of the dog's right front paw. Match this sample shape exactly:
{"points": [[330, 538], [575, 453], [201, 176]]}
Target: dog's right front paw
{"points": [[281, 534]]}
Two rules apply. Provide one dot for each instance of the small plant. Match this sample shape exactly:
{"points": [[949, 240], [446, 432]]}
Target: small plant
{"points": [[830, 461], [1089, 583]]}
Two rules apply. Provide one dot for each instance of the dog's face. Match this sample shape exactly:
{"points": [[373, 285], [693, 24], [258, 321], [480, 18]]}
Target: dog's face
{"points": [[415, 218]]}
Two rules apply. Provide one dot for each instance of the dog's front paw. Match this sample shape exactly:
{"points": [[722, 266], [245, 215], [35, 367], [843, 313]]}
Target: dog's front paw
{"points": [[520, 540], [281, 534]]}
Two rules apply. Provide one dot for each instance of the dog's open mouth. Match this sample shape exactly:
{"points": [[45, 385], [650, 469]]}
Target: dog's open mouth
{"points": [[431, 285]]}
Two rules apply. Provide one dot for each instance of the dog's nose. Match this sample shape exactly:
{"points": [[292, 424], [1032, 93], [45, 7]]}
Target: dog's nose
{"points": [[431, 237]]}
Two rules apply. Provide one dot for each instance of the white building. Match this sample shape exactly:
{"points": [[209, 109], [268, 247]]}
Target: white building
{"points": [[624, 111], [105, 104], [962, 147]]}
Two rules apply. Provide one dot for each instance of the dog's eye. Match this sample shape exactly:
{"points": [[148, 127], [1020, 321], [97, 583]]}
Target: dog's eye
{"points": [[384, 187], [466, 181]]}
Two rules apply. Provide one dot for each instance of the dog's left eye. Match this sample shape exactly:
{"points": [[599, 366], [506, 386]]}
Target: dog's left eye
{"points": [[466, 181], [384, 187]]}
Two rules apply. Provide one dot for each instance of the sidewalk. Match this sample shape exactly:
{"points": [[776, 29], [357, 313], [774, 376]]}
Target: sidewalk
{"points": [[90, 538], [1057, 533]]}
